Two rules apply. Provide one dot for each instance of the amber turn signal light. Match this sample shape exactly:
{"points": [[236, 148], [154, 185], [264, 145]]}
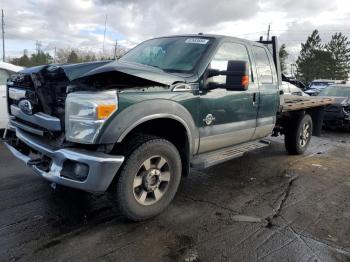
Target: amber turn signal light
{"points": [[245, 81], [104, 111]]}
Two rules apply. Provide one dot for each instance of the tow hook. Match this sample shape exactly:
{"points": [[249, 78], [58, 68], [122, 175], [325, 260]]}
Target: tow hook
{"points": [[34, 162], [3, 140]]}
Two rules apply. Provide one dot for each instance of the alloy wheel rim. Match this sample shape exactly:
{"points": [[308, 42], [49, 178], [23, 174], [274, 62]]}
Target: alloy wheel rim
{"points": [[304, 135], [151, 181]]}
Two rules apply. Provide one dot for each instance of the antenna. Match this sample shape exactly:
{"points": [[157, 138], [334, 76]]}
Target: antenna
{"points": [[104, 36]]}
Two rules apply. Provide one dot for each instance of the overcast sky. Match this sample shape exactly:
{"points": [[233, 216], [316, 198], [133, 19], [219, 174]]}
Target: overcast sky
{"points": [[80, 23]]}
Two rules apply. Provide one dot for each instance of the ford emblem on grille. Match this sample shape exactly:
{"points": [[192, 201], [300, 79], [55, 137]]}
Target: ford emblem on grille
{"points": [[26, 107]]}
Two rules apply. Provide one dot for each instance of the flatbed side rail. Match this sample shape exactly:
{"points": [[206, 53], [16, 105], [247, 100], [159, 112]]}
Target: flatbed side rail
{"points": [[294, 103]]}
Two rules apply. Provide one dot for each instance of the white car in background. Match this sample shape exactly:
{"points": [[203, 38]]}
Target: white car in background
{"points": [[6, 70], [290, 89]]}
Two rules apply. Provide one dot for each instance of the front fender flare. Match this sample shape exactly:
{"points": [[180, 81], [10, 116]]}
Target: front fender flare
{"points": [[119, 126]]}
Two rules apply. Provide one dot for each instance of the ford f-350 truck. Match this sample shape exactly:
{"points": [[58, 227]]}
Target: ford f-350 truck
{"points": [[135, 126]]}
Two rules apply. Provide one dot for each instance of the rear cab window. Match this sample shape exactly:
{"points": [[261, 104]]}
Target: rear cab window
{"points": [[263, 65]]}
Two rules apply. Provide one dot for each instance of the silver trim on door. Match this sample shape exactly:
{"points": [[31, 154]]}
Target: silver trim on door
{"points": [[219, 136]]}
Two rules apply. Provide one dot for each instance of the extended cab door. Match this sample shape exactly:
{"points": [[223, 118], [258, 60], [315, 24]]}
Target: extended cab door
{"points": [[268, 98], [227, 117]]}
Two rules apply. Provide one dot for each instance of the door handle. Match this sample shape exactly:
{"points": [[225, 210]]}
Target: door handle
{"points": [[254, 99]]}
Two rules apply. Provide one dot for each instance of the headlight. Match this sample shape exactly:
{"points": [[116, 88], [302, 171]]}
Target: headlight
{"points": [[86, 112]]}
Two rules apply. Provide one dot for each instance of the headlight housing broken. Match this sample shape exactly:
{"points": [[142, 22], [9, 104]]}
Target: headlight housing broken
{"points": [[85, 114]]}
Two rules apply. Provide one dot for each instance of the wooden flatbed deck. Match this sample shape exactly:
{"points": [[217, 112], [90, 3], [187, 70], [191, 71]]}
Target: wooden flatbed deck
{"points": [[293, 103]]}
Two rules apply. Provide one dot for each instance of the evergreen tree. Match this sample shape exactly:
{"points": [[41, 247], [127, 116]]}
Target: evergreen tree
{"points": [[24, 60], [339, 46], [283, 55], [40, 58], [313, 61], [73, 58]]}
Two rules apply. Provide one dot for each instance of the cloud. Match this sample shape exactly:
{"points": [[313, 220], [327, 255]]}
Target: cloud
{"points": [[80, 23]]}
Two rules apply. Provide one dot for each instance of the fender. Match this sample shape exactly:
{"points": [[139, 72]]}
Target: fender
{"points": [[124, 122]]}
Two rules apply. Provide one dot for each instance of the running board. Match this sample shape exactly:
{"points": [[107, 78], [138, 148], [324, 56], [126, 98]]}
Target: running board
{"points": [[209, 159]]}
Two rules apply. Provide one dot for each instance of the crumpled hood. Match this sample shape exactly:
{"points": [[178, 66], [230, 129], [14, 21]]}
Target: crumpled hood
{"points": [[82, 70], [139, 70]]}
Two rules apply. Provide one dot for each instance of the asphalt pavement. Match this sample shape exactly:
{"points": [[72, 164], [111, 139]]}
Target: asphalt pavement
{"points": [[265, 206]]}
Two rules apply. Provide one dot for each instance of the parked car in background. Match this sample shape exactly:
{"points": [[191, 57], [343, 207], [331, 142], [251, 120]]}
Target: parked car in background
{"points": [[6, 70], [290, 89], [294, 81], [337, 115], [316, 86]]}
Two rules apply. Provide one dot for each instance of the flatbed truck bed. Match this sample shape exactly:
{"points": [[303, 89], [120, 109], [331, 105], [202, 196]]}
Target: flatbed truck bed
{"points": [[293, 103]]}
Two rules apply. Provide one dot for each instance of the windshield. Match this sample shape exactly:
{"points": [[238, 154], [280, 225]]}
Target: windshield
{"points": [[178, 54], [335, 91]]}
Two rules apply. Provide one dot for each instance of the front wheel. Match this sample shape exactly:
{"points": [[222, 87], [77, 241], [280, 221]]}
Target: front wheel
{"points": [[298, 135], [148, 180]]}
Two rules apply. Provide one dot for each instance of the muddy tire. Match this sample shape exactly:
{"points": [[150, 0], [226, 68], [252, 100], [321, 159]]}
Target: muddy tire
{"points": [[148, 180], [298, 135]]}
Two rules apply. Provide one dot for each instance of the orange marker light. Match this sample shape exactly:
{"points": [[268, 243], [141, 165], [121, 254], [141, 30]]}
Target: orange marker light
{"points": [[104, 111], [245, 81]]}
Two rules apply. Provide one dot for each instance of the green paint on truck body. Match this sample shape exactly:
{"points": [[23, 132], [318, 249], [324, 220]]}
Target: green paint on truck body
{"points": [[228, 107]]}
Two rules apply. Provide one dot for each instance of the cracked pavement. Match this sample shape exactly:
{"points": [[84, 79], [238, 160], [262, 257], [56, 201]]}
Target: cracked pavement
{"points": [[265, 206]]}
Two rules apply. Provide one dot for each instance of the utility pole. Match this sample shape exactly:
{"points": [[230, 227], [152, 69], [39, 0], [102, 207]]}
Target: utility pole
{"points": [[3, 34], [115, 49], [54, 56], [268, 32], [38, 46], [104, 36]]}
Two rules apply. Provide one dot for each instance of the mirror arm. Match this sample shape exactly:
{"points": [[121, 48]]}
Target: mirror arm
{"points": [[213, 85], [213, 72]]}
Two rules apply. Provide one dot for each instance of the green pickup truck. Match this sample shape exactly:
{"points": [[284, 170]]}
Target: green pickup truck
{"points": [[135, 126]]}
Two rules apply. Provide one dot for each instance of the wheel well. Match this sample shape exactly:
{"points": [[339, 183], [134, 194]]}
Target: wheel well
{"points": [[285, 120], [169, 129]]}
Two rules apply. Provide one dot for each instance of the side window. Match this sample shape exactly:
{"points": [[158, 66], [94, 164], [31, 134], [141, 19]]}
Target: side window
{"points": [[3, 76], [228, 51], [263, 65]]}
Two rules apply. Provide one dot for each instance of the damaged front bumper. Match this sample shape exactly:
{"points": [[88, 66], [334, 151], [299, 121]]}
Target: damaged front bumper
{"points": [[98, 169]]}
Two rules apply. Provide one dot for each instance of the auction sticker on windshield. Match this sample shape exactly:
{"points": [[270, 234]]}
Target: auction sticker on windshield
{"points": [[200, 41]]}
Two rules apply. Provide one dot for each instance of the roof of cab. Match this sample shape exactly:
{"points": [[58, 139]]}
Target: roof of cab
{"points": [[201, 35]]}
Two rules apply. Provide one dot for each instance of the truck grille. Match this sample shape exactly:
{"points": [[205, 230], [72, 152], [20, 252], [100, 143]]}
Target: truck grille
{"points": [[31, 122], [22, 81]]}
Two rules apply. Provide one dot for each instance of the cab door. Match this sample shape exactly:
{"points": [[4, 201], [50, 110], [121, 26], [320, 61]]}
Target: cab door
{"points": [[268, 92], [227, 117]]}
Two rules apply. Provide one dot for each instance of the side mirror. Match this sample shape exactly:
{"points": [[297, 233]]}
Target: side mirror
{"points": [[237, 76]]}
